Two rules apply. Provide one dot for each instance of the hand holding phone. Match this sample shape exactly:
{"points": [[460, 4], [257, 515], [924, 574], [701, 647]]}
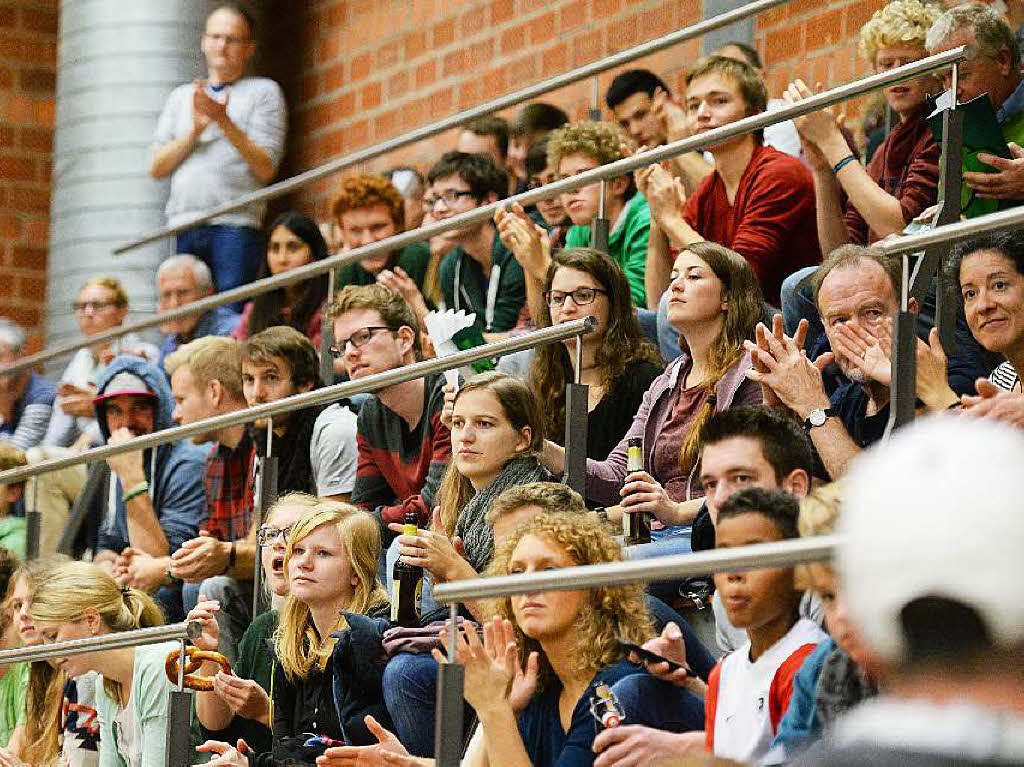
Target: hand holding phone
{"points": [[647, 657]]}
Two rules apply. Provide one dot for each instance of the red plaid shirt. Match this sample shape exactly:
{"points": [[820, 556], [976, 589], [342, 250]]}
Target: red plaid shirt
{"points": [[230, 489]]}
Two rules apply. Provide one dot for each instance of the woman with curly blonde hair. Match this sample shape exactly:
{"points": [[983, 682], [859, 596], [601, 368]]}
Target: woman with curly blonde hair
{"points": [[574, 636]]}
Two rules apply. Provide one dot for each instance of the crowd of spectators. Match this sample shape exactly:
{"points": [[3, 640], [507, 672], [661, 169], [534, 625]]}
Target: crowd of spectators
{"points": [[743, 337]]}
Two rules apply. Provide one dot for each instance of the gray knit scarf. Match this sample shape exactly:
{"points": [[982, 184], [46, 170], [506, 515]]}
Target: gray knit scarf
{"points": [[477, 536]]}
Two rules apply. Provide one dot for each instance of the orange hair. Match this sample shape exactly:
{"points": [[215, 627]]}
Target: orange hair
{"points": [[366, 191]]}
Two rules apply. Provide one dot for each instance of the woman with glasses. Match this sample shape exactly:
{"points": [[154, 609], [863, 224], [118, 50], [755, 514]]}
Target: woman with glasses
{"points": [[239, 704], [294, 241], [101, 304], [715, 303], [325, 678]]}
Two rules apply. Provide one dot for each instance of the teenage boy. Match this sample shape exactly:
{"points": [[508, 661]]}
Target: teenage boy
{"points": [[532, 123], [758, 201], [487, 136], [206, 380], [315, 446], [479, 274], [749, 690], [582, 146], [403, 448], [646, 112], [368, 209]]}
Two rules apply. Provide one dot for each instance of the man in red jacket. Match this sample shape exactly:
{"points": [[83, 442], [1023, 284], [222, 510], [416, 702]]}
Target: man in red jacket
{"points": [[759, 201]]}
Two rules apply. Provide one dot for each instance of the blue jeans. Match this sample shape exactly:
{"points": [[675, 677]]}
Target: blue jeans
{"points": [[798, 303], [233, 253], [410, 690], [653, 703]]}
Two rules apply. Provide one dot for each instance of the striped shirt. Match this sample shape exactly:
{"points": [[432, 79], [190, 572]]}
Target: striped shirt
{"points": [[1005, 377]]}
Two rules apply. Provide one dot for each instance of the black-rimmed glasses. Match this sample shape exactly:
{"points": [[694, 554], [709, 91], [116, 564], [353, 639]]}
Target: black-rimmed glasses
{"points": [[580, 296], [357, 339], [267, 534]]}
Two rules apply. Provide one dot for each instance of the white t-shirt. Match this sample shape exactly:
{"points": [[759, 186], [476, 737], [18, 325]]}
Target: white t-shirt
{"points": [[129, 734], [332, 451], [746, 699]]}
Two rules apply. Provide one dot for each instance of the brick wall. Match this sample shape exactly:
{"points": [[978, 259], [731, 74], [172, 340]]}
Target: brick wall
{"points": [[28, 63], [371, 69]]}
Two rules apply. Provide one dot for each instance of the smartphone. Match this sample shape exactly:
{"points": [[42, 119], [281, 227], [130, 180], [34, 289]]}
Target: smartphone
{"points": [[651, 657]]}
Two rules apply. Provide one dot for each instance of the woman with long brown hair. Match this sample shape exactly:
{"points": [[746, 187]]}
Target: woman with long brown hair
{"points": [[715, 304], [618, 363]]}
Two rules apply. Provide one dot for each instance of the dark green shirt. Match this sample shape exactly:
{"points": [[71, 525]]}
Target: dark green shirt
{"points": [[414, 259], [464, 286]]}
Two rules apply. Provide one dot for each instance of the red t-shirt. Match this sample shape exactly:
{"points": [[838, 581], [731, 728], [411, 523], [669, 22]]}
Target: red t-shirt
{"points": [[771, 222]]}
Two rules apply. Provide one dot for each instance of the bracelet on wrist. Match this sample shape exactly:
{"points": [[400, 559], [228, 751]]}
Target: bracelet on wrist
{"points": [[231, 559], [843, 163], [136, 491]]}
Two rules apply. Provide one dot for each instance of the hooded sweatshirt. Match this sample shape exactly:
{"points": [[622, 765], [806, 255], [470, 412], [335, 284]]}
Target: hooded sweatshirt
{"points": [[174, 471]]}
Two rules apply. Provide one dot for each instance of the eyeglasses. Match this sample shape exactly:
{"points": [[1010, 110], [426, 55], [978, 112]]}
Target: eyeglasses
{"points": [[580, 296], [449, 197], [96, 306], [267, 534], [357, 339], [180, 296]]}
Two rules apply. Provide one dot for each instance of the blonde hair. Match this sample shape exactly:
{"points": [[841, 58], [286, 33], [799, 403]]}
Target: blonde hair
{"points": [[901, 22], [44, 693], [521, 410], [298, 647], [600, 141], [211, 358], [610, 612], [110, 283], [74, 588], [819, 515]]}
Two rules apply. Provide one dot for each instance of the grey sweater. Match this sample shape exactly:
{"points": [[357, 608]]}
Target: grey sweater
{"points": [[215, 172]]}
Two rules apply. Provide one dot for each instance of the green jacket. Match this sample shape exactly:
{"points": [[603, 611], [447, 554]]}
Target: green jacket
{"points": [[471, 292], [974, 206], [414, 259], [627, 244], [12, 700]]}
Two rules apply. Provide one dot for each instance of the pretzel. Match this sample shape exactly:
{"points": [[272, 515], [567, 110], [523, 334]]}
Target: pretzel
{"points": [[195, 660]]}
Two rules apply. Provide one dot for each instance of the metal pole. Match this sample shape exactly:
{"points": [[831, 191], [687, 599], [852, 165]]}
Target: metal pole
{"points": [[577, 413], [486, 212], [324, 395], [32, 526], [327, 335], [152, 635], [178, 750], [480, 110], [599, 227], [902, 396], [448, 722], [266, 495], [595, 99], [759, 556]]}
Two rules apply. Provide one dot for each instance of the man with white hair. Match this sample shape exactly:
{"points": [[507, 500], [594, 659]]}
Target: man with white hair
{"points": [[181, 280], [26, 398], [933, 577]]}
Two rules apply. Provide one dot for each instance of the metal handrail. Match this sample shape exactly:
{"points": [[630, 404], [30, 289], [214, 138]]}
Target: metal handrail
{"points": [[485, 212], [327, 394], [955, 232], [152, 635], [761, 555], [480, 110]]}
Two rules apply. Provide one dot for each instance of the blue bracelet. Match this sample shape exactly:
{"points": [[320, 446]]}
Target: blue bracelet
{"points": [[843, 163]]}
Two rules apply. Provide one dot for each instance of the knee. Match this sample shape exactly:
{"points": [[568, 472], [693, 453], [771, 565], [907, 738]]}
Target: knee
{"points": [[409, 675]]}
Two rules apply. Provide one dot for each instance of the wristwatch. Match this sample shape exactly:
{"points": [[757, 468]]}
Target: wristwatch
{"points": [[817, 417]]}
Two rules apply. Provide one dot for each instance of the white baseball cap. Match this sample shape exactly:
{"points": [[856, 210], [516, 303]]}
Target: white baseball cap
{"points": [[936, 512]]}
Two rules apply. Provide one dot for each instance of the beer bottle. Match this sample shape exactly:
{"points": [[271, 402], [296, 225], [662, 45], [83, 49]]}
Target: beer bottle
{"points": [[407, 585], [636, 527]]}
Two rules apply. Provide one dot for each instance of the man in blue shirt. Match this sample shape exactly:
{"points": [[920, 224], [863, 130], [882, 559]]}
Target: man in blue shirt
{"points": [[181, 280], [26, 399]]}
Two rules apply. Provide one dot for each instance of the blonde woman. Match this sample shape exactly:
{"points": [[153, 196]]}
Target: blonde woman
{"points": [[328, 634], [238, 707], [574, 636], [79, 600]]}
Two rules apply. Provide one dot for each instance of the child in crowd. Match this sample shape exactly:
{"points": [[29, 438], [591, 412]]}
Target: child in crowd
{"points": [[749, 690], [839, 674], [329, 631], [13, 678], [78, 600], [239, 705]]}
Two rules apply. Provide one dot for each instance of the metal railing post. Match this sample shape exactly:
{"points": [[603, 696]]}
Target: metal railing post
{"points": [[327, 334], [448, 722], [577, 411], [172, 632], [903, 358], [32, 524], [599, 227], [178, 746], [265, 495]]}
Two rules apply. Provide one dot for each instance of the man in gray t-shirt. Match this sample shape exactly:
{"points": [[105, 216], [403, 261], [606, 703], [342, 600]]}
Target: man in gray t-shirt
{"points": [[218, 139]]}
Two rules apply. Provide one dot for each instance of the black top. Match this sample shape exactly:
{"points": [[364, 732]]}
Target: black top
{"points": [[611, 419]]}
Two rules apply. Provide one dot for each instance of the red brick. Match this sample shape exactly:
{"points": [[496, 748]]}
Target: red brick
{"points": [[310, 86], [444, 33], [10, 228], [332, 78], [482, 51], [398, 84], [555, 59], [623, 34], [36, 139], [17, 168], [39, 20], [37, 231], [26, 257], [469, 93], [501, 11], [586, 48], [542, 29], [8, 18], [572, 16], [513, 40], [6, 136], [371, 96], [388, 55], [606, 8], [6, 77], [426, 73], [359, 67], [454, 63], [783, 44], [414, 44], [824, 30], [32, 288]]}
